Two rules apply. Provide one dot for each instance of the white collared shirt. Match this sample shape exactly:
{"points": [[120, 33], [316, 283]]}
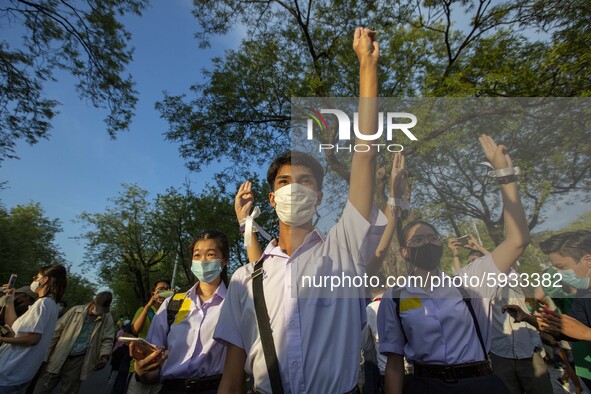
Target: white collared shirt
{"points": [[510, 339], [317, 338], [192, 352]]}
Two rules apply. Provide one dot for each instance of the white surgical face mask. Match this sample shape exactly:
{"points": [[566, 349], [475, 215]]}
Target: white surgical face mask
{"points": [[296, 204], [206, 270], [570, 278], [35, 286]]}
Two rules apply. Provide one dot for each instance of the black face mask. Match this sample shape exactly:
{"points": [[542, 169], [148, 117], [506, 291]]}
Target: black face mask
{"points": [[426, 256]]}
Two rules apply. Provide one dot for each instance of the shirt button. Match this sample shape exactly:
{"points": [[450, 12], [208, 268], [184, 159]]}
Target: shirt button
{"points": [[292, 323], [295, 364]]}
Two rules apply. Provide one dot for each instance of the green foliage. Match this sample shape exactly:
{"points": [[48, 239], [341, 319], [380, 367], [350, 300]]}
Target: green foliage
{"points": [[79, 290], [122, 243], [84, 39], [137, 240], [27, 242], [451, 49]]}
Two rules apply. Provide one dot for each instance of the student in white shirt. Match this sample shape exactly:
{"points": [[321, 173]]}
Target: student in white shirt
{"points": [[446, 338], [317, 339], [189, 360], [22, 353]]}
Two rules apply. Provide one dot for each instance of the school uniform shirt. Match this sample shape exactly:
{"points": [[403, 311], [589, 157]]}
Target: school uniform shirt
{"points": [[438, 324], [18, 364], [192, 352], [317, 336], [370, 333], [510, 339]]}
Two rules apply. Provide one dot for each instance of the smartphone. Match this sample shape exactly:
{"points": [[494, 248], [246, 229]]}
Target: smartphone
{"points": [[464, 241], [12, 281], [141, 343]]}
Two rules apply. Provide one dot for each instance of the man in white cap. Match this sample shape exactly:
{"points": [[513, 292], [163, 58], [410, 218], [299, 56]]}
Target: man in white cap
{"points": [[81, 344]]}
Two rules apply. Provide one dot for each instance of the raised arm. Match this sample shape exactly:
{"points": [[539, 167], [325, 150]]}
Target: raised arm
{"points": [[453, 245], [9, 311], [516, 229], [397, 188], [138, 322], [243, 204], [473, 244], [363, 167]]}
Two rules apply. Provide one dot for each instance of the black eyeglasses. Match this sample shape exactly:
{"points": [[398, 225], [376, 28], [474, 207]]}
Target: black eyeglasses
{"points": [[420, 240]]}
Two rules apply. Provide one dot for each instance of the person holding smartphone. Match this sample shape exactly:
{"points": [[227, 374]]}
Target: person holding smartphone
{"points": [[140, 326], [186, 358], [23, 349]]}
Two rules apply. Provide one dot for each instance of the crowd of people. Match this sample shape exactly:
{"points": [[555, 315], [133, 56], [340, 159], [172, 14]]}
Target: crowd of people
{"points": [[262, 331]]}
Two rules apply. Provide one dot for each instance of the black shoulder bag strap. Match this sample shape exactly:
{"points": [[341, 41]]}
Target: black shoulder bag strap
{"points": [[468, 301], [265, 331], [174, 305]]}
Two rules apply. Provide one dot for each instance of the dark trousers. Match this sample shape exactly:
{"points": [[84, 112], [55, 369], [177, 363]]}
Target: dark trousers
{"points": [[488, 384], [527, 375]]}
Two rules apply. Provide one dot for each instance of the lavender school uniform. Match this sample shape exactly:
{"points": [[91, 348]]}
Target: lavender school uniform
{"points": [[192, 352], [317, 338], [438, 324]]}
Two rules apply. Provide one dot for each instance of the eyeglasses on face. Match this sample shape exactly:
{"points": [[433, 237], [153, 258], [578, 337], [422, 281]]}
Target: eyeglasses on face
{"points": [[420, 240]]}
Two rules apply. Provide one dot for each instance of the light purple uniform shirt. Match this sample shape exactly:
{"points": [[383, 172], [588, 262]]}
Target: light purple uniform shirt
{"points": [[192, 352], [439, 327], [317, 339]]}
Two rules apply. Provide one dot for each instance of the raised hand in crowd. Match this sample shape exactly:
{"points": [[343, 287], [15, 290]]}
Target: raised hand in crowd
{"points": [[244, 201], [517, 235], [243, 205], [454, 246], [473, 244], [396, 203]]}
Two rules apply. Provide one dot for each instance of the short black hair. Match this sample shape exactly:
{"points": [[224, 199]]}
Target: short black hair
{"points": [[296, 158], [160, 281], [573, 244], [475, 252]]}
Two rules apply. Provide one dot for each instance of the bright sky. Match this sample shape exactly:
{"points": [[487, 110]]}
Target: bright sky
{"points": [[79, 168]]}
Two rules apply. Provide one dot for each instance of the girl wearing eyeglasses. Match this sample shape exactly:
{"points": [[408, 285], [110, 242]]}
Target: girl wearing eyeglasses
{"points": [[443, 330]]}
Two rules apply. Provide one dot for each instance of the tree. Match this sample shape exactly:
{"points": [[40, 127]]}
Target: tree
{"points": [[122, 242], [27, 242], [79, 290], [180, 215], [137, 240], [476, 48], [85, 39]]}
